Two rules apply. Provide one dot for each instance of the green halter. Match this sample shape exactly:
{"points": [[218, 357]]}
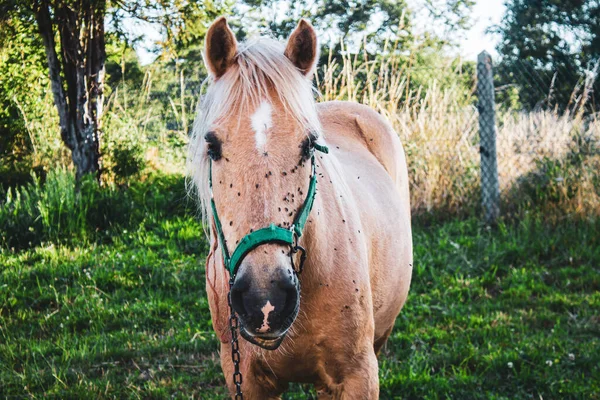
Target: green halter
{"points": [[270, 234]]}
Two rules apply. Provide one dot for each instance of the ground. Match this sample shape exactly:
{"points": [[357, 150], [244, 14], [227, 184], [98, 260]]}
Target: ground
{"points": [[507, 312]]}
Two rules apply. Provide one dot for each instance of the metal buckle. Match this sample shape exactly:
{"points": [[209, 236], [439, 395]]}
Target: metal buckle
{"points": [[293, 250]]}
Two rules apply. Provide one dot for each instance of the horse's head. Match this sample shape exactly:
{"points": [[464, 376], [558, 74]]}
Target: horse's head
{"points": [[254, 136]]}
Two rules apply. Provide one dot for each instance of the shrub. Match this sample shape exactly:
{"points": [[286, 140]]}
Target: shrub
{"points": [[127, 160], [61, 210]]}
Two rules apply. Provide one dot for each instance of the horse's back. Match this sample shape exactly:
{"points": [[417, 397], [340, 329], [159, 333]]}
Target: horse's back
{"points": [[364, 139], [360, 127]]}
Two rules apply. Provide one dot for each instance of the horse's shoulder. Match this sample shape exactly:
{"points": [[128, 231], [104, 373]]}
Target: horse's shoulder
{"points": [[347, 120]]}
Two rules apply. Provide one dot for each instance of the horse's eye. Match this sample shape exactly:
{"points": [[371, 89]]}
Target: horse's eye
{"points": [[306, 148], [213, 146]]}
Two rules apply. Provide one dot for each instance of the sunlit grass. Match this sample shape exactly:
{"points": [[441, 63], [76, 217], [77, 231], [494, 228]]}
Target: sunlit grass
{"points": [[509, 312]]}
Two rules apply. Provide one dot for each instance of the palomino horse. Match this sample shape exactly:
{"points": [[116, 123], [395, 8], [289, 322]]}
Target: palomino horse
{"points": [[271, 195]]}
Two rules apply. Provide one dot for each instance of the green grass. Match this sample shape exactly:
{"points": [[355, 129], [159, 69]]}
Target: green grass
{"points": [[511, 312]]}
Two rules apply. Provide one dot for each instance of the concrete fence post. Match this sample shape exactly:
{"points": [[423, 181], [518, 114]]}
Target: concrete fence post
{"points": [[490, 192]]}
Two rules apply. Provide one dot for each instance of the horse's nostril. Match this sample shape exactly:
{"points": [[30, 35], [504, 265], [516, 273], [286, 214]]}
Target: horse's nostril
{"points": [[241, 283], [287, 284], [291, 300], [237, 292]]}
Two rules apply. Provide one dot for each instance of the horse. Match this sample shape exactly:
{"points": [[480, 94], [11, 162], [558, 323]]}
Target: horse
{"points": [[306, 206]]}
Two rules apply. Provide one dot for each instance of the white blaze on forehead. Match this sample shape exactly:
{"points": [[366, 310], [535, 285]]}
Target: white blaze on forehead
{"points": [[261, 123], [266, 310]]}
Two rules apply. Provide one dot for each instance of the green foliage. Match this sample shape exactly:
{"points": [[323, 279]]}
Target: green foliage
{"points": [[125, 120], [341, 18], [354, 22], [37, 211], [122, 65], [183, 23], [123, 147], [552, 32], [544, 38], [128, 160], [59, 211], [28, 122], [145, 128], [455, 15], [23, 76], [556, 183]]}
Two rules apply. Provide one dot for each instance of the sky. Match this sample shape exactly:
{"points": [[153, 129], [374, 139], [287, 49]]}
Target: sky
{"points": [[485, 14]]}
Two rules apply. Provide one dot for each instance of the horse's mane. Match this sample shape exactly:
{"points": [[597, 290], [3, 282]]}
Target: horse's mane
{"points": [[259, 65]]}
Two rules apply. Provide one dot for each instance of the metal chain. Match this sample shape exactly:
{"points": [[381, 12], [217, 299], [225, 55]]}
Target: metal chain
{"points": [[235, 347]]}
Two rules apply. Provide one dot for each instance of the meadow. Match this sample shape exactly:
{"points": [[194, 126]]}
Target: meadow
{"points": [[504, 312]]}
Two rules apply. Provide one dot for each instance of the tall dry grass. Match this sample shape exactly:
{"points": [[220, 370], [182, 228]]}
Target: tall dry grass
{"points": [[550, 161], [47, 148], [546, 159], [143, 134]]}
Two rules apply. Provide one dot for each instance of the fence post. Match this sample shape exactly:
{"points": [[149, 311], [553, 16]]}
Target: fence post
{"points": [[490, 192]]}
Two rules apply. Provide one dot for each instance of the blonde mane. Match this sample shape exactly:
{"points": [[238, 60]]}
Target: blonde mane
{"points": [[259, 65]]}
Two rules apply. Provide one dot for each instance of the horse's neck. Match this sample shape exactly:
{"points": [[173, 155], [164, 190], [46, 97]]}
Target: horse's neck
{"points": [[326, 237]]}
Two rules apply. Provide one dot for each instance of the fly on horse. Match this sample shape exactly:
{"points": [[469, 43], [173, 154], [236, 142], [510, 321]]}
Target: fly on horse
{"points": [[307, 208]]}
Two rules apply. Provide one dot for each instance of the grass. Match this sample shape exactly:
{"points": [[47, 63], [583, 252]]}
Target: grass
{"points": [[509, 312]]}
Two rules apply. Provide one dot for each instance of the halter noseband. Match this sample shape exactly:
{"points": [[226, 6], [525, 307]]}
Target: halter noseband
{"points": [[272, 233]]}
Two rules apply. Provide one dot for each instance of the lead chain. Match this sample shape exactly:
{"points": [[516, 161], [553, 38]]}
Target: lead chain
{"points": [[235, 347]]}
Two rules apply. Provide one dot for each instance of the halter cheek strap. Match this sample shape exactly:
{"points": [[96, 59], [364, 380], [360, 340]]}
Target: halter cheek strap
{"points": [[271, 233]]}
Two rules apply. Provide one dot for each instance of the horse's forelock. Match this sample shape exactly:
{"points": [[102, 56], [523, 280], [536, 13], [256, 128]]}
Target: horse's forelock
{"points": [[260, 64]]}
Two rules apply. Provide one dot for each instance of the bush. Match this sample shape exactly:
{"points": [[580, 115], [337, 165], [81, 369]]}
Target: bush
{"points": [[128, 160], [36, 211], [560, 186], [550, 163], [61, 210]]}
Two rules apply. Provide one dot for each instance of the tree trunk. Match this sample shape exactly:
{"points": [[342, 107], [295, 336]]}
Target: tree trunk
{"points": [[82, 48], [46, 31]]}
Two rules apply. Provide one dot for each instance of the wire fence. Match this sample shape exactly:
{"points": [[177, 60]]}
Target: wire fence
{"points": [[539, 134], [523, 128]]}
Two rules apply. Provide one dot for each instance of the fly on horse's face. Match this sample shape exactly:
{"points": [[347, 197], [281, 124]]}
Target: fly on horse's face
{"points": [[260, 154]]}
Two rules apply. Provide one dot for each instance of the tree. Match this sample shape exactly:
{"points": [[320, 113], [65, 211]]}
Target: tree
{"points": [[77, 77], [342, 18], [550, 38], [179, 70], [551, 32]]}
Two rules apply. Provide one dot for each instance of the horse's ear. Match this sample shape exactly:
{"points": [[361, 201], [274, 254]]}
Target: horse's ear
{"points": [[220, 47], [302, 48]]}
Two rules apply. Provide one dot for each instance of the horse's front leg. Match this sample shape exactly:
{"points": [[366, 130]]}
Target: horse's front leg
{"points": [[363, 383], [360, 381], [257, 382]]}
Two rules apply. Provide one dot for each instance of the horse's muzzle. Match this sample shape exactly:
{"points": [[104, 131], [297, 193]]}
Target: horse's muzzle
{"points": [[267, 304]]}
